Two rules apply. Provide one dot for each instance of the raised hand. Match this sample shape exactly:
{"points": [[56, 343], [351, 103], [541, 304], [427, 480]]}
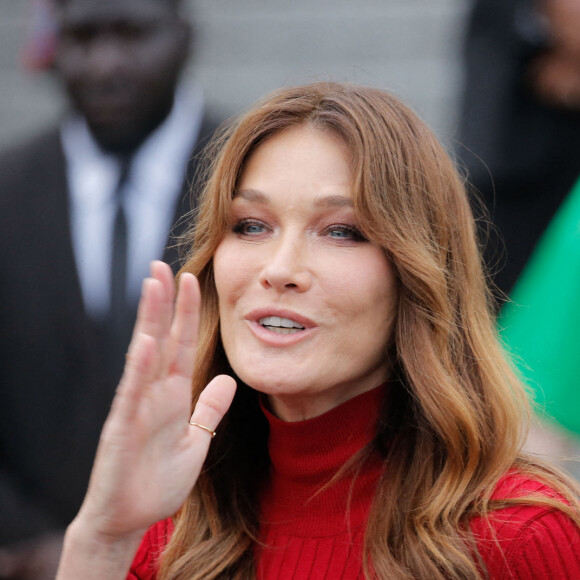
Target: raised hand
{"points": [[149, 456]]}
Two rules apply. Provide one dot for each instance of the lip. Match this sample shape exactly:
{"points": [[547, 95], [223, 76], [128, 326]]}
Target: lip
{"points": [[107, 101], [108, 110], [273, 339]]}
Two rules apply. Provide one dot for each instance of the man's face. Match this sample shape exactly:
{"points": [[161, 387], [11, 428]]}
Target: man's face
{"points": [[120, 61]]}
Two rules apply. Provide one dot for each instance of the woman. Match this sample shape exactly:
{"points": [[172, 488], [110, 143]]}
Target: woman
{"points": [[377, 428]]}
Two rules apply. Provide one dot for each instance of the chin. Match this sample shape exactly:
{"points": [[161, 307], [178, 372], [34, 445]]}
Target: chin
{"points": [[116, 142], [271, 386], [268, 383]]}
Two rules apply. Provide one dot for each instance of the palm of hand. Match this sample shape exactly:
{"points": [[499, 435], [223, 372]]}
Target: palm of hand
{"points": [[149, 456]]}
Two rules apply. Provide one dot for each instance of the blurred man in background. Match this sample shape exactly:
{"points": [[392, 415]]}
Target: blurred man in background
{"points": [[520, 141], [84, 208]]}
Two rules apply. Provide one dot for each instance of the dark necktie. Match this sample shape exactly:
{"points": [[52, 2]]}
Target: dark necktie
{"points": [[119, 248], [120, 313]]}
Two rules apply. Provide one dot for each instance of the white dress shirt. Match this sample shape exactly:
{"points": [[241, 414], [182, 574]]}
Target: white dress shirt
{"points": [[151, 193]]}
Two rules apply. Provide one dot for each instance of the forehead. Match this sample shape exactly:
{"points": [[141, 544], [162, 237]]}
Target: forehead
{"points": [[103, 11], [299, 166], [318, 150]]}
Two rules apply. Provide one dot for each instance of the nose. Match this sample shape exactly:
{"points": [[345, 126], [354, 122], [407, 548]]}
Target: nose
{"points": [[106, 57], [286, 265]]}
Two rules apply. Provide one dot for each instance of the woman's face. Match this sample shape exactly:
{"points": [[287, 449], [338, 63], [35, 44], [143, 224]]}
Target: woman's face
{"points": [[307, 305]]}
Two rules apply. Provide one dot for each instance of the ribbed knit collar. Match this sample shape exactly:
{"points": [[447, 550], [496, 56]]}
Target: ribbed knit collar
{"points": [[305, 455]]}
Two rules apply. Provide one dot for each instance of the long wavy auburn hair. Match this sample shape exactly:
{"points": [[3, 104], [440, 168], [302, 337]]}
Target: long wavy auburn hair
{"points": [[457, 414]]}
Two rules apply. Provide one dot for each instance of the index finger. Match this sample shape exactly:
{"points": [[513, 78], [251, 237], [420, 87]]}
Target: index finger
{"points": [[156, 304]]}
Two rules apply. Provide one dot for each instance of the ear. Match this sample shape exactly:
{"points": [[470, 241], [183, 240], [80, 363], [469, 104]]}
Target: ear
{"points": [[184, 33], [189, 36]]}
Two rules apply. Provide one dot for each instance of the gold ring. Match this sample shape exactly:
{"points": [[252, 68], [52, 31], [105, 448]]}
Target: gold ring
{"points": [[210, 431]]}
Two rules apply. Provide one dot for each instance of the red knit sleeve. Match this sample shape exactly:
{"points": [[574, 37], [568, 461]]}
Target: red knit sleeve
{"points": [[146, 559], [528, 542], [549, 548]]}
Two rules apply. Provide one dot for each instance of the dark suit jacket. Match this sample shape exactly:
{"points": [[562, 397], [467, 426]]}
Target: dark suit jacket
{"points": [[56, 383]]}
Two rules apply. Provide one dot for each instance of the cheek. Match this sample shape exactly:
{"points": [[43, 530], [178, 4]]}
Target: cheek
{"points": [[371, 293], [220, 270], [365, 271], [231, 275], [69, 64], [161, 57]]}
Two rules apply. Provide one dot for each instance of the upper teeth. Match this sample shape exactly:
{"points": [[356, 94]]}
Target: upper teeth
{"points": [[279, 321]]}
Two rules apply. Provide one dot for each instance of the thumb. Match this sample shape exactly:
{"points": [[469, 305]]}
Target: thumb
{"points": [[213, 403]]}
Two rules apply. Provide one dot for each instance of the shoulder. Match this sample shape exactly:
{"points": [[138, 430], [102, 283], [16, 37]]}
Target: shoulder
{"points": [[31, 160], [528, 540], [146, 559], [46, 141], [32, 173]]}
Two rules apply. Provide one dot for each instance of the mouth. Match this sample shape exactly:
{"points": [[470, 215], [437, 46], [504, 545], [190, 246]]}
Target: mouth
{"points": [[280, 325]]}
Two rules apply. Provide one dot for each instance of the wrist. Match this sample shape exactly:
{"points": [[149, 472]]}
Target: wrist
{"points": [[89, 554]]}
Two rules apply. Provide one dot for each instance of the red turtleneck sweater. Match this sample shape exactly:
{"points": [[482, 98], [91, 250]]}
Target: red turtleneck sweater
{"points": [[313, 532]]}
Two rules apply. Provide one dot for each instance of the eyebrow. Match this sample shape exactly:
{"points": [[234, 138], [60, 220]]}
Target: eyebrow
{"points": [[257, 196]]}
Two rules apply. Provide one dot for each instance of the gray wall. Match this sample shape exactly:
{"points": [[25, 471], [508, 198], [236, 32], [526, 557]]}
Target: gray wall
{"points": [[249, 47]]}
